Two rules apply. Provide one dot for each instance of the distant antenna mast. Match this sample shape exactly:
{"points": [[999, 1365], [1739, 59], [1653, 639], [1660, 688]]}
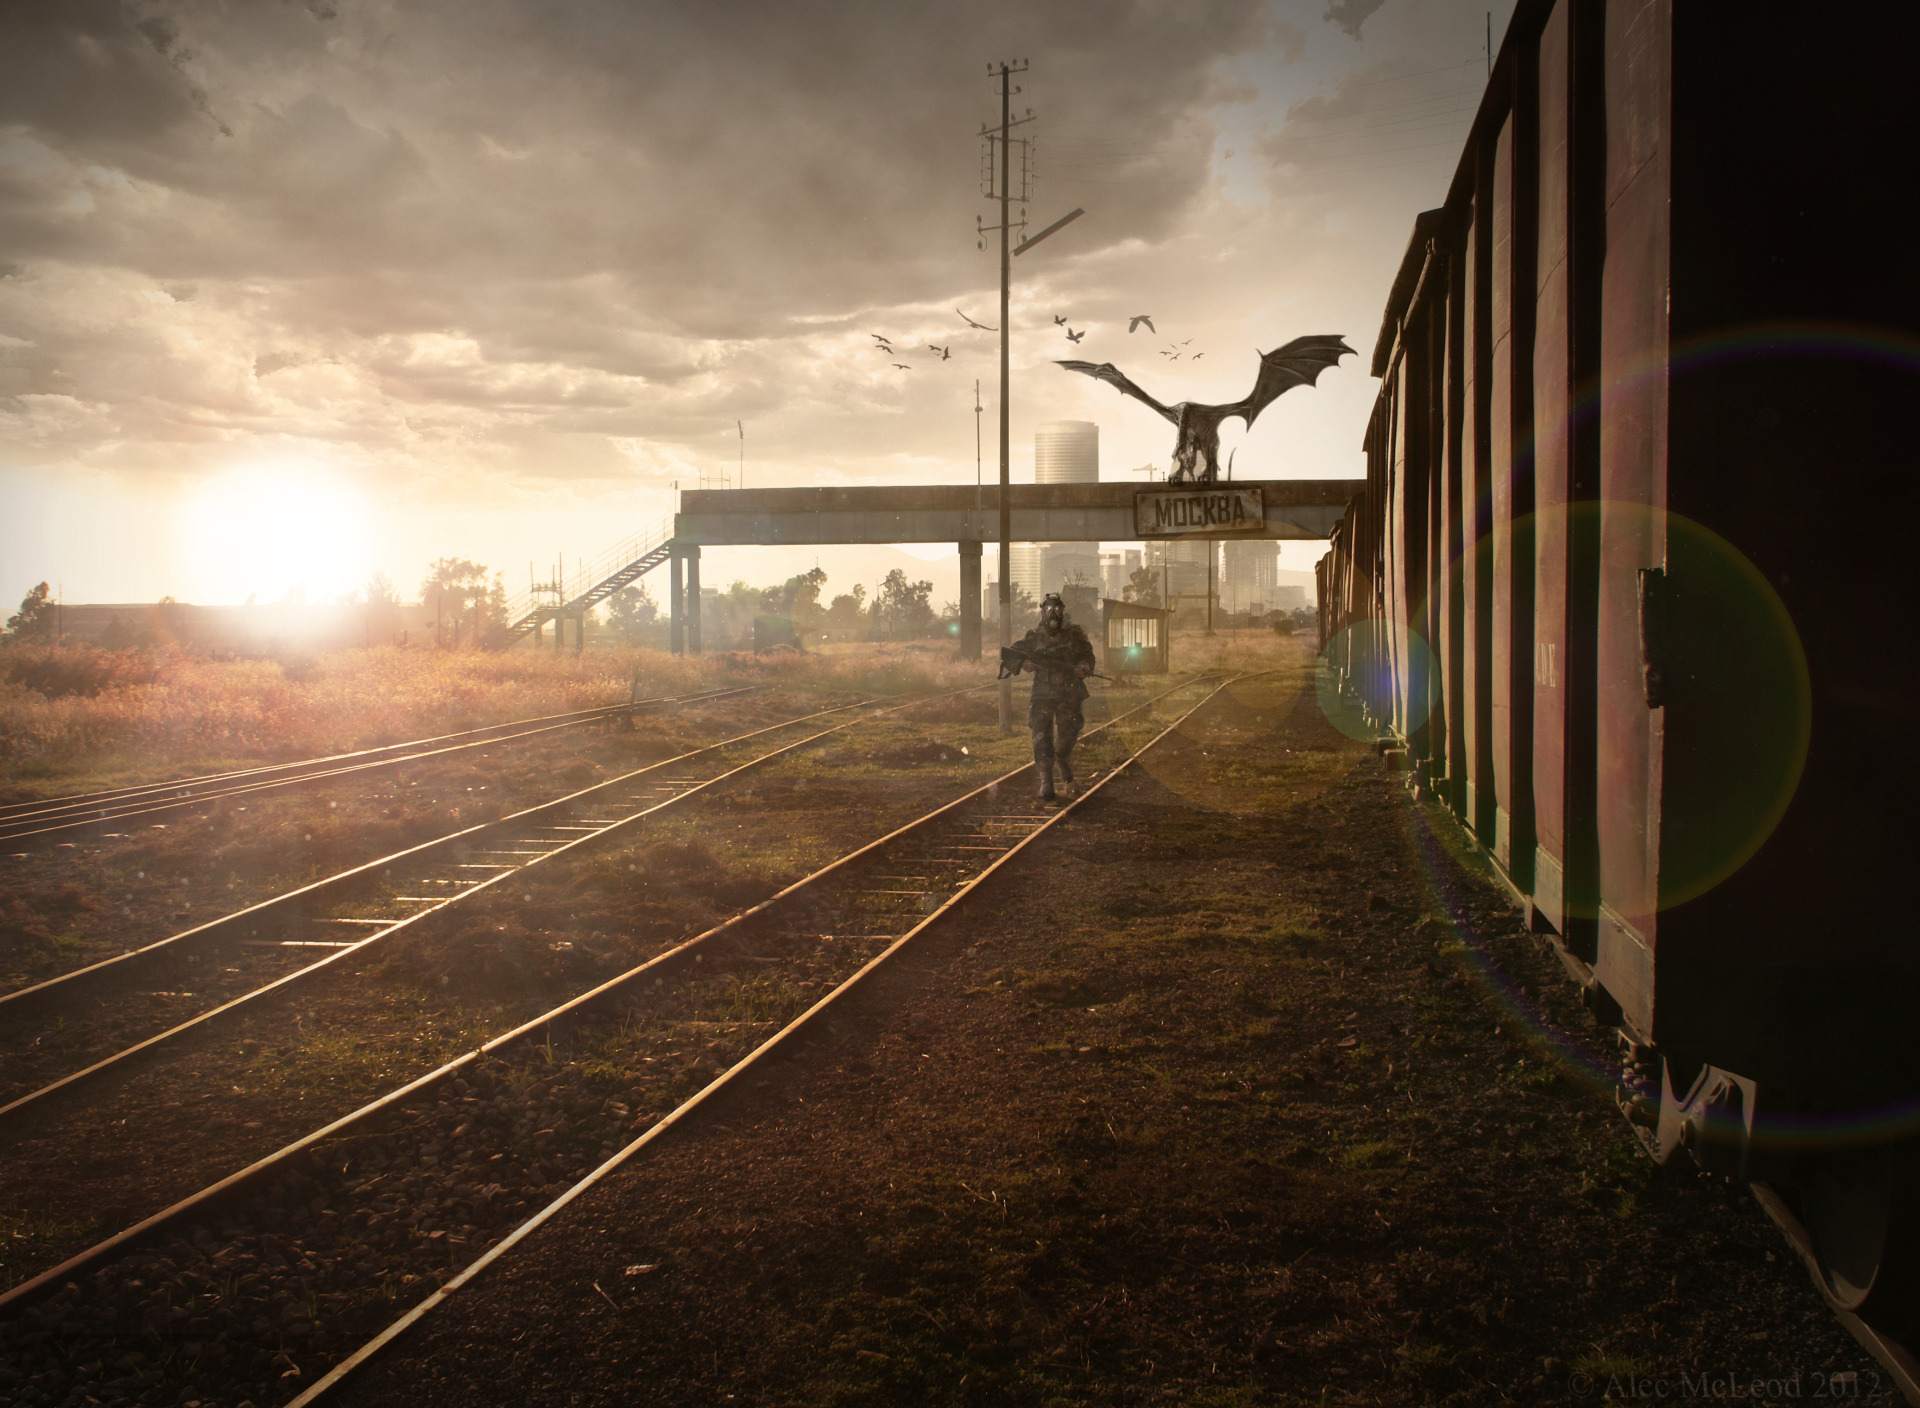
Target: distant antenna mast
{"points": [[977, 408], [742, 425]]}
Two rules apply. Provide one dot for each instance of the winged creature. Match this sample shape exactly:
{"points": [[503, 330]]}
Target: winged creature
{"points": [[946, 353], [1196, 452], [1073, 336], [1059, 321], [972, 324], [1139, 318]]}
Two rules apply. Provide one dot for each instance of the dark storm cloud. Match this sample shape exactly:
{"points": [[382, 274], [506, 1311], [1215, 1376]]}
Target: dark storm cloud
{"points": [[90, 71], [723, 166], [410, 228]]}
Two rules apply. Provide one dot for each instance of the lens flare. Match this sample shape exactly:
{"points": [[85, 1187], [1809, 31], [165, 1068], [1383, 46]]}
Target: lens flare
{"points": [[270, 531]]}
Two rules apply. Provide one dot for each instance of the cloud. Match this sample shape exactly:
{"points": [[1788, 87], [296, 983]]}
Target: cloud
{"points": [[483, 246]]}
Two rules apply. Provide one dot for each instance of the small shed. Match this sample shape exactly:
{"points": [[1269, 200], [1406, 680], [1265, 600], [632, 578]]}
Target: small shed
{"points": [[771, 632], [1139, 638]]}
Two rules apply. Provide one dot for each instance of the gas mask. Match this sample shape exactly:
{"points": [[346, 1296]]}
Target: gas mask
{"points": [[1053, 612]]}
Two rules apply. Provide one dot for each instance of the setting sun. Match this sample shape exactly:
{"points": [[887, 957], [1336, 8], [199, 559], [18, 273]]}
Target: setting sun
{"points": [[270, 531]]}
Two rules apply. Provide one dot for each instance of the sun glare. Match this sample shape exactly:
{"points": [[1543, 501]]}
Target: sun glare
{"points": [[269, 531]]}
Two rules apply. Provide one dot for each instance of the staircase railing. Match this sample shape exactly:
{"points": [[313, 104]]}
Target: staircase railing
{"points": [[591, 581]]}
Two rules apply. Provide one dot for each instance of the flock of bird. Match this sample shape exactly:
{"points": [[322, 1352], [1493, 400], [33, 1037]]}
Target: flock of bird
{"points": [[1172, 353]]}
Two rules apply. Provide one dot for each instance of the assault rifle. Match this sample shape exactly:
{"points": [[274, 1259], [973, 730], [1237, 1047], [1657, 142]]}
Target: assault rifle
{"points": [[1012, 657]]}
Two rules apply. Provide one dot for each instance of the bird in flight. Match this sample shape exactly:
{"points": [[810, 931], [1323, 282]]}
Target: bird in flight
{"points": [[972, 324], [885, 345], [1182, 344], [1171, 356], [903, 366], [1138, 319], [1059, 321], [1197, 356], [1196, 452], [945, 352], [1073, 336]]}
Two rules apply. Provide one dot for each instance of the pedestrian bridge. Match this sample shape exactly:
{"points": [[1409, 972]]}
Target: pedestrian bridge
{"points": [[969, 516], [940, 513]]}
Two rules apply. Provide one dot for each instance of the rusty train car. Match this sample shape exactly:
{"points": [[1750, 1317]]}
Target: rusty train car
{"points": [[1631, 582]]}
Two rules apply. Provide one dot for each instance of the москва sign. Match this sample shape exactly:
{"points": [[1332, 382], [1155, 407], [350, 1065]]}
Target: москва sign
{"points": [[1208, 509]]}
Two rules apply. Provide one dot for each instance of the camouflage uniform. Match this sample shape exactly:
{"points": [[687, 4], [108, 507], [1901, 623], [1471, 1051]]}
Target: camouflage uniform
{"points": [[1053, 712]]}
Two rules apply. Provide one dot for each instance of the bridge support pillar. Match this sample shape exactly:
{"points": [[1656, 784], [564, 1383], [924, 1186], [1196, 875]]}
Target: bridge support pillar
{"points": [[559, 631], [969, 600], [676, 601], [693, 600]]}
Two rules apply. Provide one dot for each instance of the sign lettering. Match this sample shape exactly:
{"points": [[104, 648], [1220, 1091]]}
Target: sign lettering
{"points": [[1208, 510]]}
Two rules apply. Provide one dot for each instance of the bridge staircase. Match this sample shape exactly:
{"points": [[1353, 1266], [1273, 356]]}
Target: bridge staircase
{"points": [[579, 591]]}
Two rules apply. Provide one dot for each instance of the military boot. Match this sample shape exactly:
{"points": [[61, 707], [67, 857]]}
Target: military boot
{"points": [[1047, 794], [1067, 784]]}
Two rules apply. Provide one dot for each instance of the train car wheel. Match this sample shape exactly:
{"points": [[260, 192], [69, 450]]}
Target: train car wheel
{"points": [[1862, 1212], [1848, 1203]]}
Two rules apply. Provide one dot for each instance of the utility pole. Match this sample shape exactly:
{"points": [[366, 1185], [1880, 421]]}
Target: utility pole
{"points": [[743, 452], [1004, 194], [1213, 552]]}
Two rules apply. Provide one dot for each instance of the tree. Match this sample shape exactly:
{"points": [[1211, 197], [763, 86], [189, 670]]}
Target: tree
{"points": [[454, 586], [36, 617], [901, 607], [383, 609], [632, 613], [1025, 608], [380, 590], [805, 606], [494, 627], [1143, 587], [848, 610], [796, 598]]}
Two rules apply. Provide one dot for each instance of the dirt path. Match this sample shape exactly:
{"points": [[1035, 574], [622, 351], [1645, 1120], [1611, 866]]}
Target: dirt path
{"points": [[1240, 1090]]}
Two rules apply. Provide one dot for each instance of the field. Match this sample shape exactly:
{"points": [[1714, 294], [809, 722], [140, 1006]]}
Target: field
{"points": [[76, 719]]}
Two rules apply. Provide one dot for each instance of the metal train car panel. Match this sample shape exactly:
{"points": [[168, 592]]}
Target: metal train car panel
{"points": [[1633, 483], [1641, 473], [1552, 474], [1452, 536], [1476, 506], [1512, 486]]}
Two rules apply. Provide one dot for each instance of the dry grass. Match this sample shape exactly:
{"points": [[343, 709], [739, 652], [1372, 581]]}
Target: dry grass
{"points": [[74, 716]]}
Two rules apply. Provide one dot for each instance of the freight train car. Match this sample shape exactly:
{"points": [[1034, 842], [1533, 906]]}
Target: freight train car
{"points": [[1632, 582]]}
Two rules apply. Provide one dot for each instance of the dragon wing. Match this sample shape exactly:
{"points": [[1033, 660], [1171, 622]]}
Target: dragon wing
{"points": [[1296, 364], [1107, 372]]}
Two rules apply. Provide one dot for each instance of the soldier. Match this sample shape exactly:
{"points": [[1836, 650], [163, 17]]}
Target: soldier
{"points": [[1059, 684]]}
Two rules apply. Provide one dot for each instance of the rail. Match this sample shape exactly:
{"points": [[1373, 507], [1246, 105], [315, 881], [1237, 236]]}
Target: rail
{"points": [[970, 839]]}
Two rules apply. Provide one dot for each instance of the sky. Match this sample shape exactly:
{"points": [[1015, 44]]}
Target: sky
{"points": [[298, 290]]}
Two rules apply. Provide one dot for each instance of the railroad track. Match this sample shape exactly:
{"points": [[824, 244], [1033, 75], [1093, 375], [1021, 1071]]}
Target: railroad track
{"points": [[305, 934], [24, 821], [252, 1286]]}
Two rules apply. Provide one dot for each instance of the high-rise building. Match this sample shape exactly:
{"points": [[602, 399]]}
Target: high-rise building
{"points": [[1181, 565], [1116, 572], [1064, 452], [1249, 573]]}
